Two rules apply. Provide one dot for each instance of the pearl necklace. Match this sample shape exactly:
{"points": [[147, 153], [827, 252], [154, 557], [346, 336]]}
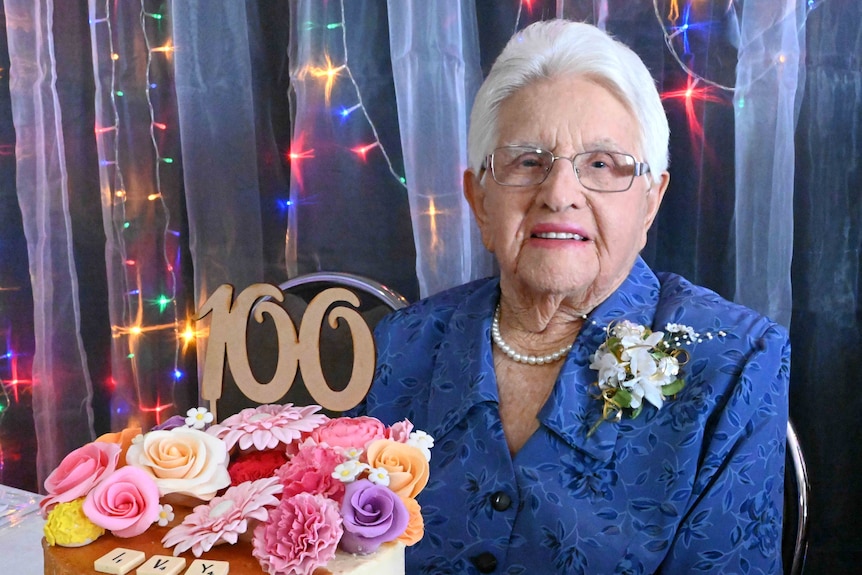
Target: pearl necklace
{"points": [[519, 357]]}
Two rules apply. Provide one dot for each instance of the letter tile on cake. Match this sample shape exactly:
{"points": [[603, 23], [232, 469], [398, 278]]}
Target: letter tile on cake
{"points": [[208, 567], [162, 565], [119, 561]]}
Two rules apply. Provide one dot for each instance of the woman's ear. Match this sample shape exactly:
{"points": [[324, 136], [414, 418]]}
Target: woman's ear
{"points": [[474, 193], [655, 195]]}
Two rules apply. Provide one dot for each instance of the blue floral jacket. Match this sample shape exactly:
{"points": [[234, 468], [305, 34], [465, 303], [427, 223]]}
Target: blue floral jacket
{"points": [[695, 487]]}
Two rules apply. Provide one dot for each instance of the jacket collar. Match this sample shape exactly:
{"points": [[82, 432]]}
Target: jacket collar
{"points": [[460, 381]]}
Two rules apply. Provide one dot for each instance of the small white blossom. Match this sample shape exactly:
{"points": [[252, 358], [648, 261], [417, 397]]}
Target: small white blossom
{"points": [[349, 470], [611, 371], [421, 441], [351, 452], [198, 417], [378, 475], [166, 515]]}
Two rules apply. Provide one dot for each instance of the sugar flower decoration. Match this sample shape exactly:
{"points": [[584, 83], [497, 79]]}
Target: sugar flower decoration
{"points": [[225, 518], [302, 534], [311, 470], [347, 432], [80, 471], [407, 466], [349, 470], [637, 365], [68, 526], [198, 417], [126, 502], [422, 441], [182, 460], [379, 476], [255, 465], [372, 516], [166, 515], [265, 426]]}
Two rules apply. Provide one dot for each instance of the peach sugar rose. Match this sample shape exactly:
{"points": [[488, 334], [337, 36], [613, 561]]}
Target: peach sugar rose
{"points": [[407, 466], [183, 461]]}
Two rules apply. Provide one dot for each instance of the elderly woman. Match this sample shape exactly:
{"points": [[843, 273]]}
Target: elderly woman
{"points": [[590, 415]]}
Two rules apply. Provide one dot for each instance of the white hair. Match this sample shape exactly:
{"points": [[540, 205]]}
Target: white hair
{"points": [[554, 48]]}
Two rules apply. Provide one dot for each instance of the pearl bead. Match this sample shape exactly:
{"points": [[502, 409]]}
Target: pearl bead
{"points": [[523, 358]]}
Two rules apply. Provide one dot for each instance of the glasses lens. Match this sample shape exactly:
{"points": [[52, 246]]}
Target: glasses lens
{"points": [[520, 166], [605, 171]]}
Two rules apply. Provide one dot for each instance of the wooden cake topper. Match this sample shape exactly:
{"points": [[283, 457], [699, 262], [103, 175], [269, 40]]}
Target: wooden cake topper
{"points": [[227, 340]]}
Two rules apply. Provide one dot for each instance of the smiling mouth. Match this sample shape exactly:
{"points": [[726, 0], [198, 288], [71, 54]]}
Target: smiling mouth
{"points": [[560, 236]]}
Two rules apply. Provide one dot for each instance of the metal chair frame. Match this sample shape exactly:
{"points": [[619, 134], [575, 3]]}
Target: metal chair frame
{"points": [[803, 490], [392, 298]]}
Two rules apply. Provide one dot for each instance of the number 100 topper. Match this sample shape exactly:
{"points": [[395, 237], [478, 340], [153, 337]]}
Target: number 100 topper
{"points": [[227, 340]]}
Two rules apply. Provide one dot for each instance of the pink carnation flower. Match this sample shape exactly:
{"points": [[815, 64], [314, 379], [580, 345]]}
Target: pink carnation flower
{"points": [[301, 535], [126, 502], [265, 426], [79, 472], [310, 471], [224, 518], [347, 432]]}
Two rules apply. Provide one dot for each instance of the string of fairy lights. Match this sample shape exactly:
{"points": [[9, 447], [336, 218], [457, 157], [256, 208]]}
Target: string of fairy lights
{"points": [[143, 294], [144, 289], [329, 72]]}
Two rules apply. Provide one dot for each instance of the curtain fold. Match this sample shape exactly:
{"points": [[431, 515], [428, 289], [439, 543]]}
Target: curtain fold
{"points": [[766, 103], [62, 390], [435, 63]]}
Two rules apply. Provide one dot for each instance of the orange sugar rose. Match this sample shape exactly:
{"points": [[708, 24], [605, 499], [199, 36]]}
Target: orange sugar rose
{"points": [[415, 526], [407, 466], [123, 439]]}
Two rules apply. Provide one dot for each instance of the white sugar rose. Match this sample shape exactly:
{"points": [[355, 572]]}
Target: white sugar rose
{"points": [[183, 461]]}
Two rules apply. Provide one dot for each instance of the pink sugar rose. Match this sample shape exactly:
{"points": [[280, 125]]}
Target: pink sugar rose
{"points": [[302, 534], [349, 432], [79, 472], [126, 502], [310, 471]]}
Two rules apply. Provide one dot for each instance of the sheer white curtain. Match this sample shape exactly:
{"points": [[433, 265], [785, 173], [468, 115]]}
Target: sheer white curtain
{"points": [[435, 60], [62, 390], [767, 99]]}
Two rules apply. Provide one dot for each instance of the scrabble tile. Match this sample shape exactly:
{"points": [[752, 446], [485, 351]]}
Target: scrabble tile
{"points": [[162, 565], [119, 561], [208, 567]]}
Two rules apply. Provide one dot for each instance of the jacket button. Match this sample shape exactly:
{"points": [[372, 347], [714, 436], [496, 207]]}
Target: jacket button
{"points": [[485, 562], [500, 501]]}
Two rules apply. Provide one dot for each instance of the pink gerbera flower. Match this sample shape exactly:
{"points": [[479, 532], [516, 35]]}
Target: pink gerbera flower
{"points": [[265, 426], [224, 518]]}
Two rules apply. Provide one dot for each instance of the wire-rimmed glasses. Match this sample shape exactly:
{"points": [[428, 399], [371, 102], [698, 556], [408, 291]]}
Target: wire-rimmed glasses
{"points": [[597, 170]]}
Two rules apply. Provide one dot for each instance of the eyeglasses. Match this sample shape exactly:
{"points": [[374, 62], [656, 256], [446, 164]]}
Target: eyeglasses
{"points": [[597, 170]]}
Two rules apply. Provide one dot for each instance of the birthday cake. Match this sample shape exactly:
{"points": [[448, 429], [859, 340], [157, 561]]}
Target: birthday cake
{"points": [[274, 489]]}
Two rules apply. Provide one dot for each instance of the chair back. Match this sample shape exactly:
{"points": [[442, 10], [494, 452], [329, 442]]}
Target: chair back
{"points": [[311, 342], [796, 495]]}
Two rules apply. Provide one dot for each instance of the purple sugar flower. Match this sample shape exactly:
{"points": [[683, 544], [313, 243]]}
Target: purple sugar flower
{"points": [[372, 516]]}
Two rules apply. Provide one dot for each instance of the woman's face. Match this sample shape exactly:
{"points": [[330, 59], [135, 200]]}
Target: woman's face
{"points": [[530, 229]]}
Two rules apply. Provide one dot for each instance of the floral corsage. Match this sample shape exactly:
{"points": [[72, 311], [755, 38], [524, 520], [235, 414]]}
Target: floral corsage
{"points": [[636, 364]]}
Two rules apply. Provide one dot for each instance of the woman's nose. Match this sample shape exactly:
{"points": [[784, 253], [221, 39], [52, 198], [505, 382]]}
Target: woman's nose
{"points": [[562, 188]]}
